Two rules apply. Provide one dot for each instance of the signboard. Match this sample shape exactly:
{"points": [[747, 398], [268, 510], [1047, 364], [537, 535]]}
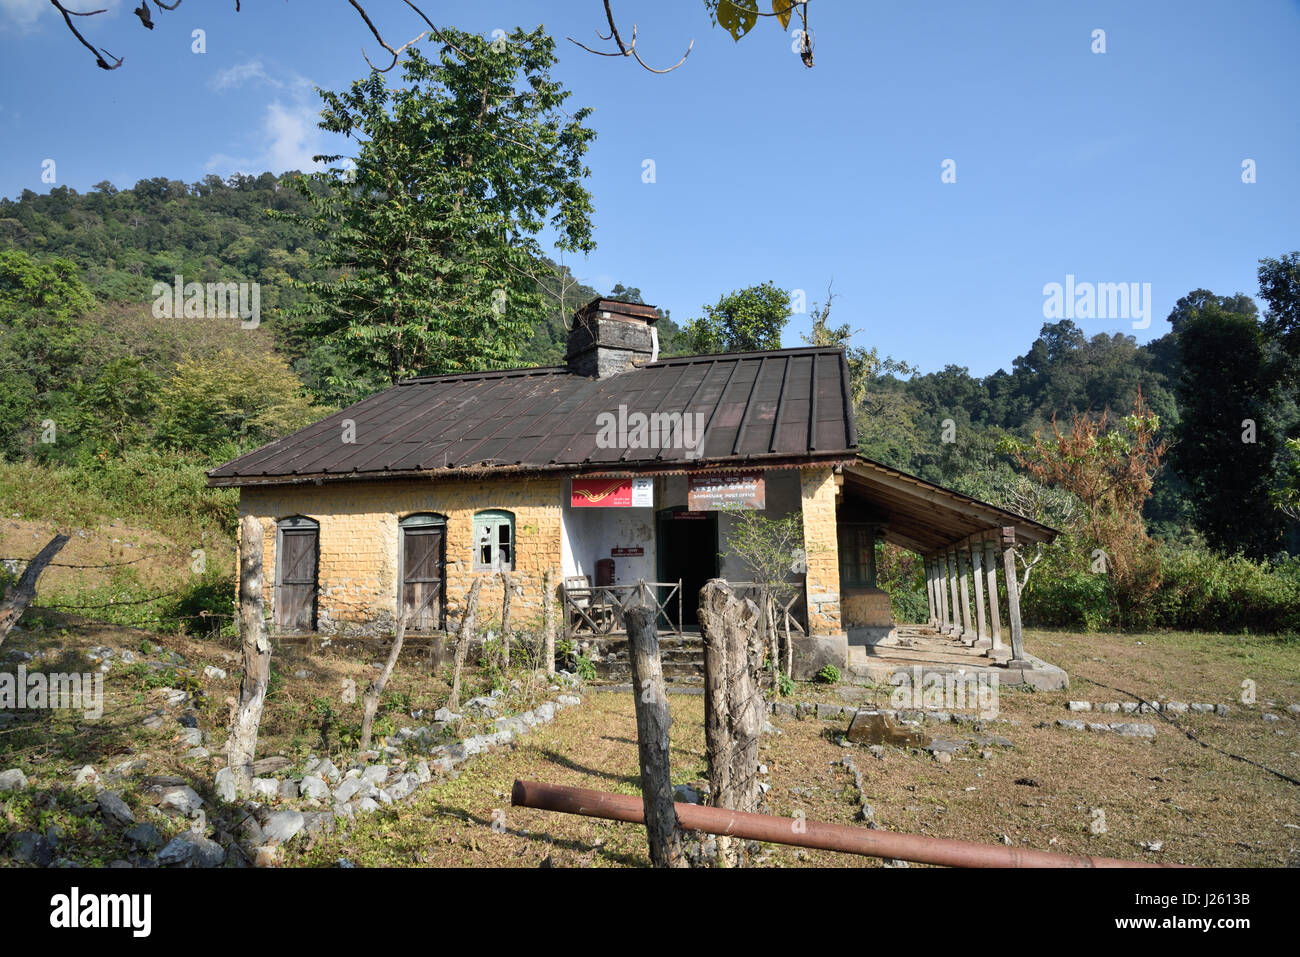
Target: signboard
{"points": [[725, 490], [626, 552], [613, 493]]}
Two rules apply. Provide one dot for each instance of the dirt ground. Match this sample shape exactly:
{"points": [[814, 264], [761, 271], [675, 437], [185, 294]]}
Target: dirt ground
{"points": [[1203, 807]]}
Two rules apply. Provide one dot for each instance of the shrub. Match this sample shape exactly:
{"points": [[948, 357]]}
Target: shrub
{"points": [[829, 675]]}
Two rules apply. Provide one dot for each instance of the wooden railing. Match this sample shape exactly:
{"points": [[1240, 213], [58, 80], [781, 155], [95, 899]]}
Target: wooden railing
{"points": [[596, 611]]}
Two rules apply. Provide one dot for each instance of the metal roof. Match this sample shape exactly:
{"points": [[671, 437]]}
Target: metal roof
{"points": [[757, 408]]}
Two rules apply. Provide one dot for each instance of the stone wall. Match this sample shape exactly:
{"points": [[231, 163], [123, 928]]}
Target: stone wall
{"points": [[821, 545], [360, 538]]}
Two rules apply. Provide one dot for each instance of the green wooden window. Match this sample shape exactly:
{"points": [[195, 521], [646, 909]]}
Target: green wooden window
{"points": [[494, 540]]}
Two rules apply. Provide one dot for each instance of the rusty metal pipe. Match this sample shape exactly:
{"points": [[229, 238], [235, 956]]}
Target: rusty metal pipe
{"points": [[802, 833]]}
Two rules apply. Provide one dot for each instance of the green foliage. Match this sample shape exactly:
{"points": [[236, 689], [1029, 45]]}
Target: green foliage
{"points": [[457, 171], [231, 402], [746, 320], [1227, 440], [785, 685], [585, 668], [828, 675], [204, 607]]}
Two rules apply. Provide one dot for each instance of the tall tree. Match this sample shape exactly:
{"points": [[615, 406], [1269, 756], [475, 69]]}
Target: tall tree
{"points": [[745, 320], [1227, 440], [434, 230]]}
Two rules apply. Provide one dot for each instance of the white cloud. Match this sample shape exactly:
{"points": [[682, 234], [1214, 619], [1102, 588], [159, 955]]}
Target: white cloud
{"points": [[288, 134], [25, 14], [290, 139], [242, 73]]}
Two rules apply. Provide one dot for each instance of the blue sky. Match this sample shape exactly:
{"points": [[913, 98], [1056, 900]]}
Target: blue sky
{"points": [[1123, 166]]}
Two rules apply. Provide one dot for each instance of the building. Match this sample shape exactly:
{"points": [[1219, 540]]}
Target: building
{"points": [[619, 467]]}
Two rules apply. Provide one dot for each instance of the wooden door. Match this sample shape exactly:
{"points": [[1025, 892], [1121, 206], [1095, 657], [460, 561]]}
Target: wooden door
{"points": [[295, 602], [422, 574]]}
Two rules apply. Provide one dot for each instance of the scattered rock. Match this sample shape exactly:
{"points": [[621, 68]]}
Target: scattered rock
{"points": [[12, 780], [1176, 707], [211, 671], [1079, 705], [144, 836], [1269, 717], [268, 788], [445, 714], [1110, 707], [288, 790], [283, 826], [687, 794], [191, 849], [182, 799], [1130, 730], [29, 847], [111, 805], [86, 775], [226, 784], [314, 788], [328, 771], [1029, 782], [1221, 710], [1071, 725], [375, 774], [367, 806]]}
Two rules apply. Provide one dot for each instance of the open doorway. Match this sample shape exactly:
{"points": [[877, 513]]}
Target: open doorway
{"points": [[687, 546]]}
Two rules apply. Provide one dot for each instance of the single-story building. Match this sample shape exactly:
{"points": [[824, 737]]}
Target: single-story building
{"points": [[615, 468]]}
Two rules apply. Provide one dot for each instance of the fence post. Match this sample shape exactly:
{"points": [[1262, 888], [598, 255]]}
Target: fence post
{"points": [[733, 701], [652, 723]]}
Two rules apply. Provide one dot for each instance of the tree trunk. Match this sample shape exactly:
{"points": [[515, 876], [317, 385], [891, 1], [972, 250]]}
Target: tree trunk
{"points": [[508, 587], [548, 620], [652, 723], [17, 600], [463, 638], [242, 745], [376, 688], [733, 701]]}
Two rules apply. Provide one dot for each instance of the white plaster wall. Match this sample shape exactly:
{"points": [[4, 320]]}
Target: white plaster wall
{"points": [[588, 534]]}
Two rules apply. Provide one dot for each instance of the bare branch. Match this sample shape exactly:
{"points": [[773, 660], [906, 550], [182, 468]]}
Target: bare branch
{"points": [[101, 53], [625, 49]]}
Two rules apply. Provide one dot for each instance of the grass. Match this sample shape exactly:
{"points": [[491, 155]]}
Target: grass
{"points": [[1205, 808]]}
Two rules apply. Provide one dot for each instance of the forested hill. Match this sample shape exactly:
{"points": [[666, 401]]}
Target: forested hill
{"points": [[123, 241], [83, 349]]}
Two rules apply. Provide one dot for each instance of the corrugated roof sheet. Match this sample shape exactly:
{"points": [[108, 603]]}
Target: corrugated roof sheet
{"points": [[757, 406]]}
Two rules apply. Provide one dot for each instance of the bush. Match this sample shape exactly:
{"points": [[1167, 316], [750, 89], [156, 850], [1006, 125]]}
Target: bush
{"points": [[1074, 599], [206, 606], [829, 675], [1197, 590]]}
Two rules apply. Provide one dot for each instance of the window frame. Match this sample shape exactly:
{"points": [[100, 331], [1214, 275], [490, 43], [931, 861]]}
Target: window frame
{"points": [[495, 519]]}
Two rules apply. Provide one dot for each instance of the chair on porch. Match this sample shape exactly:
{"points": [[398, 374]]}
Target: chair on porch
{"points": [[586, 606]]}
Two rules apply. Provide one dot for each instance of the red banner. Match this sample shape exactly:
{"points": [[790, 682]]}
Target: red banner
{"points": [[606, 492]]}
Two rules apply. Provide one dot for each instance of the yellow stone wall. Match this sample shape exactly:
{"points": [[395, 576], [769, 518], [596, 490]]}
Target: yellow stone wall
{"points": [[821, 545], [359, 541], [865, 607]]}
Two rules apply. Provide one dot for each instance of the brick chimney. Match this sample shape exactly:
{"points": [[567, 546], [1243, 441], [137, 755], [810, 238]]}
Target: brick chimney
{"points": [[610, 337]]}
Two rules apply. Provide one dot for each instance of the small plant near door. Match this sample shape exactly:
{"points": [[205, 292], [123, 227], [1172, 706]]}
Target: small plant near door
{"points": [[829, 675], [772, 548]]}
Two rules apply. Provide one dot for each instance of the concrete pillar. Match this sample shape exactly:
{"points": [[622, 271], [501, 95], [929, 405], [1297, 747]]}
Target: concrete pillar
{"points": [[977, 574], [995, 615], [963, 582], [955, 602], [929, 589], [941, 586], [1013, 593]]}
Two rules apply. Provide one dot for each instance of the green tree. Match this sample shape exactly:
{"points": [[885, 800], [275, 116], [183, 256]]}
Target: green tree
{"points": [[231, 401], [42, 338], [746, 320], [1227, 440], [434, 231]]}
